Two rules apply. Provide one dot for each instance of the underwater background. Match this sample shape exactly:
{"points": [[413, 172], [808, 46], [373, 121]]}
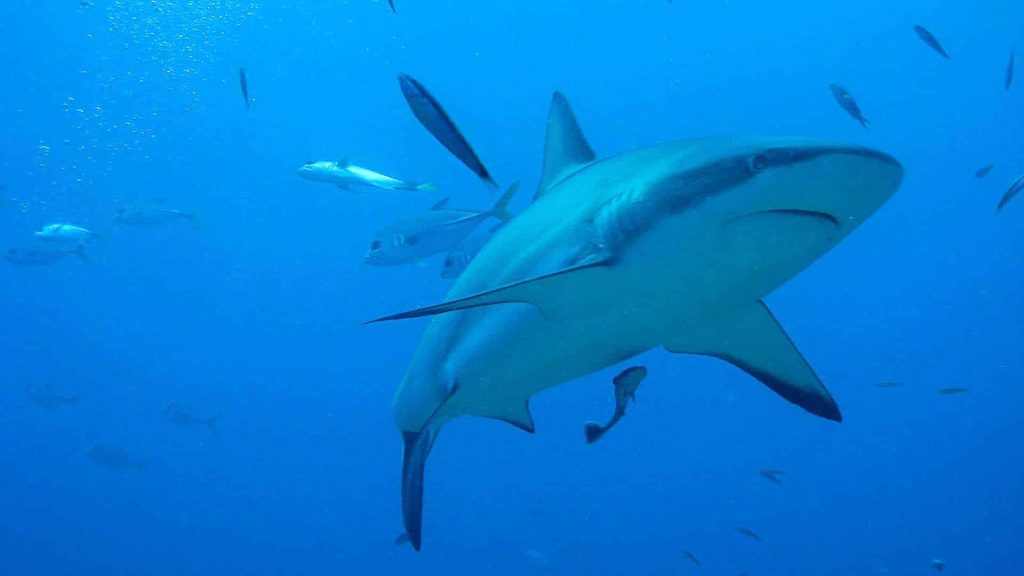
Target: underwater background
{"points": [[255, 318]]}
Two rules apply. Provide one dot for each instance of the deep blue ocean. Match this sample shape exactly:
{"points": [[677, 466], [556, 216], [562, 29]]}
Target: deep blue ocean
{"points": [[255, 316]]}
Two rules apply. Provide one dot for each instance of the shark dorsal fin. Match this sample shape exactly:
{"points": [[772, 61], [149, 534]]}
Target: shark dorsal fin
{"points": [[565, 147]]}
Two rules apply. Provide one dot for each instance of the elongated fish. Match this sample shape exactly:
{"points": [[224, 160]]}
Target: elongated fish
{"points": [[154, 213], [930, 40], [749, 534], [243, 83], [771, 475], [433, 117], [1011, 192], [45, 255], [345, 174], [392, 4], [1009, 70], [115, 458], [848, 103], [690, 556], [625, 384], [983, 171], [45, 397], [186, 416], [670, 246], [435, 231], [953, 390]]}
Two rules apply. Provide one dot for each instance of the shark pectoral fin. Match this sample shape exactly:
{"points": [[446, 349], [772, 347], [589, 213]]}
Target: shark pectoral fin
{"points": [[414, 460], [565, 147], [537, 291], [754, 341], [517, 414], [440, 204]]}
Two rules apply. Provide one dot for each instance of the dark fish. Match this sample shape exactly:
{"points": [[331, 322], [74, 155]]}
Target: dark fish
{"points": [[749, 533], [771, 475], [847, 102], [888, 384], [938, 565], [931, 40], [689, 556], [983, 171], [183, 415], [392, 4], [46, 397], [1012, 191], [952, 390], [44, 256], [434, 118], [626, 384], [244, 83], [1009, 71], [115, 458]]}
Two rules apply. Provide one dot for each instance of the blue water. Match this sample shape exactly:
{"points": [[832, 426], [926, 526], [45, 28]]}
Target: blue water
{"points": [[257, 316]]}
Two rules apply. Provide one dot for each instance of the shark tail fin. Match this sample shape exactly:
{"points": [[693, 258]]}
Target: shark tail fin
{"points": [[80, 252], [500, 209], [593, 432], [414, 460]]}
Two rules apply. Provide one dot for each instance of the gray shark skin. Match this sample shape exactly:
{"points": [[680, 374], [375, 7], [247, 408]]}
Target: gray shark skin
{"points": [[673, 245]]}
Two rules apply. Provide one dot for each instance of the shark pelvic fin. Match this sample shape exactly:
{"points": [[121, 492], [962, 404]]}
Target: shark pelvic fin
{"points": [[414, 461], [565, 148], [536, 291], [754, 341], [517, 415]]}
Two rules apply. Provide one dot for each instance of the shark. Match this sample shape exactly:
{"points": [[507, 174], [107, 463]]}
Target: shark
{"points": [[672, 246]]}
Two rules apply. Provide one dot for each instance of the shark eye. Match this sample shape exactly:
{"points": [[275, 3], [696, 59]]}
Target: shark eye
{"points": [[757, 162]]}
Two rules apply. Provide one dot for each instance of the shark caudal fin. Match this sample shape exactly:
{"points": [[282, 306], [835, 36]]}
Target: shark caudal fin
{"points": [[414, 460], [593, 432]]}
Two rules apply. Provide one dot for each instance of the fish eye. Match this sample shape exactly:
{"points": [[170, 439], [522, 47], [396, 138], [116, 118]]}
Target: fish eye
{"points": [[757, 162], [375, 245]]}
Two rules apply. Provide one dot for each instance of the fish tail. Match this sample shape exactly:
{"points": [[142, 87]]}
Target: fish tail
{"points": [[593, 432], [500, 209], [864, 122]]}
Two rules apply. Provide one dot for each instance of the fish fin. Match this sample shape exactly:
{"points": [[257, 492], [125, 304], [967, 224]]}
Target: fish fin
{"points": [[392, 4], [440, 204], [755, 342], [565, 147], [500, 208], [530, 291], [80, 252], [417, 447], [425, 187], [593, 432], [517, 415]]}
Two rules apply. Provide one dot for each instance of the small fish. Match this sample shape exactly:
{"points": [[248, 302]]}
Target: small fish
{"points": [[392, 4], [689, 556], [888, 384], [771, 475], [1012, 191], [983, 171], [44, 256], [435, 231], [749, 533], [344, 174], [952, 390], [434, 118], [625, 384], [460, 256], [68, 233], [847, 102], [115, 458], [46, 397], [938, 565], [183, 415], [144, 214], [931, 40], [1009, 71], [85, 4], [243, 82]]}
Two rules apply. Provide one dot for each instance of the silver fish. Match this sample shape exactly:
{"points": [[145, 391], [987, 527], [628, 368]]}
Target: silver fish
{"points": [[847, 102], [931, 40], [152, 214], [435, 231]]}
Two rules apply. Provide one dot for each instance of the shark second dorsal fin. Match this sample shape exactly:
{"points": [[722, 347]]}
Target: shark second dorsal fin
{"points": [[565, 147], [754, 341]]}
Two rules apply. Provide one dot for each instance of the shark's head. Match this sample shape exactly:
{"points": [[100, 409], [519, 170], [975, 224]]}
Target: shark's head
{"points": [[315, 170]]}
